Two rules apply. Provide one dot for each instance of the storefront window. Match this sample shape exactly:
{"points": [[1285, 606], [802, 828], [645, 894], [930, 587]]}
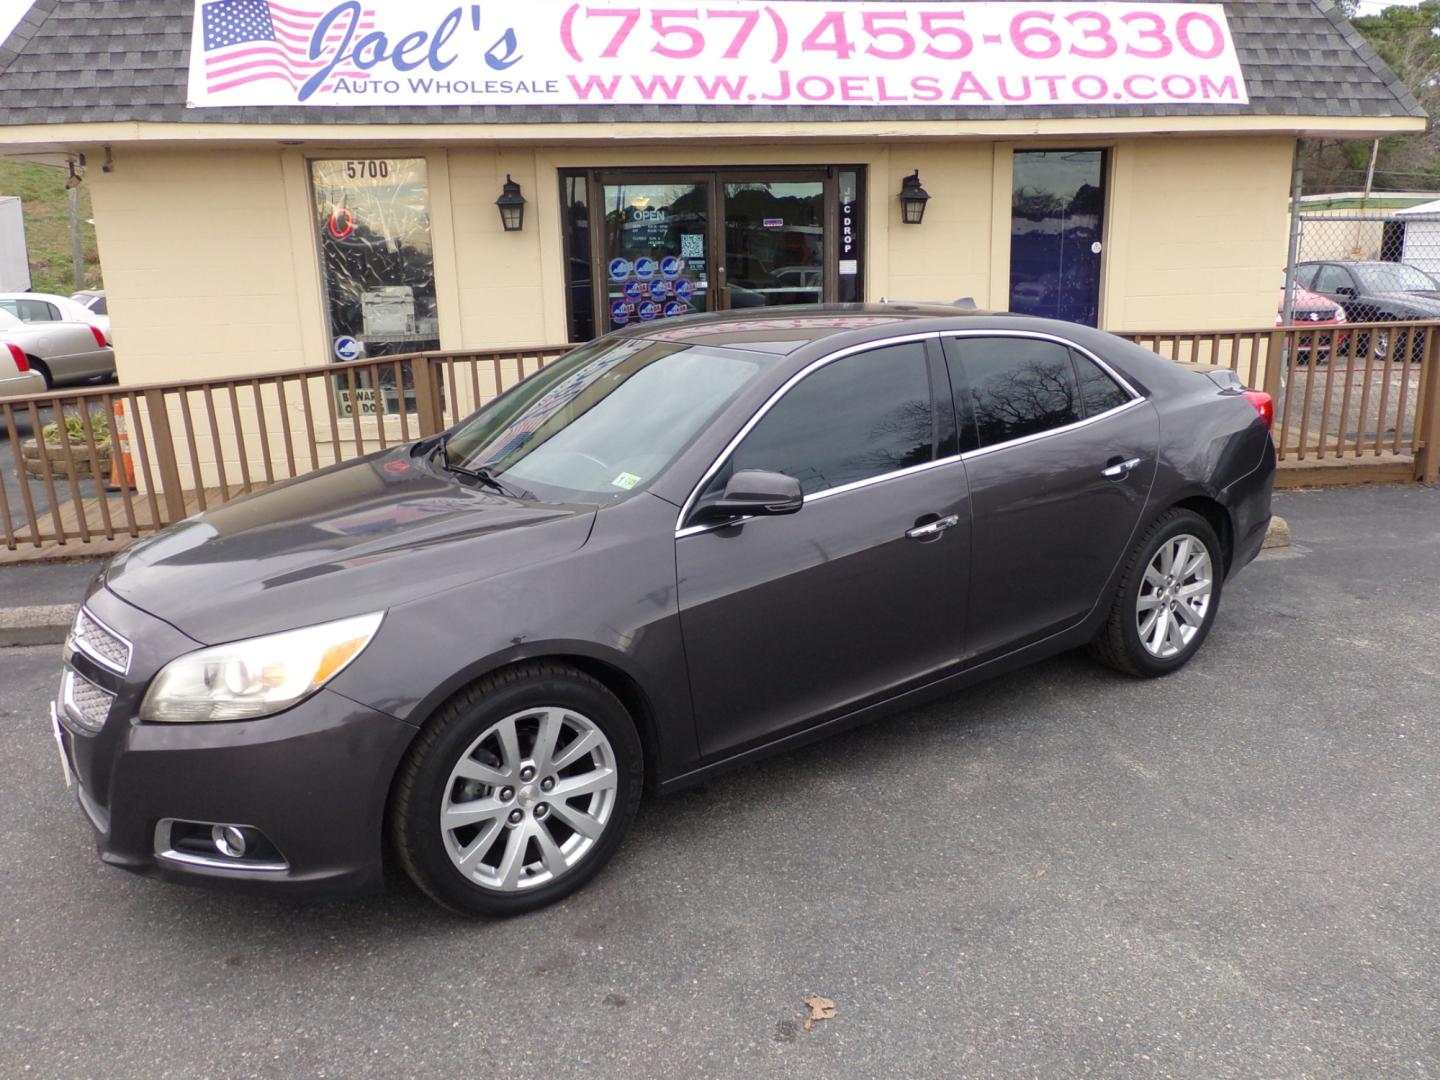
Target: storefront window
{"points": [[575, 203], [851, 288], [373, 216], [646, 245]]}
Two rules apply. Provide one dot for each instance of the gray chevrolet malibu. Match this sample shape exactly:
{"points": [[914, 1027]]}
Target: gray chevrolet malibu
{"points": [[673, 550]]}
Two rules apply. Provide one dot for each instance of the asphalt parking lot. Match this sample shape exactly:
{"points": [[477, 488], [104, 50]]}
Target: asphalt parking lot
{"points": [[1231, 872]]}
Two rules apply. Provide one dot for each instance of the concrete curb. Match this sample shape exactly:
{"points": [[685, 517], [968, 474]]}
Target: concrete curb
{"points": [[44, 625]]}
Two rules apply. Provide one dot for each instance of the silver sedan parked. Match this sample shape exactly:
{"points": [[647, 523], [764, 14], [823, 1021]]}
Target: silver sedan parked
{"points": [[60, 351], [17, 377]]}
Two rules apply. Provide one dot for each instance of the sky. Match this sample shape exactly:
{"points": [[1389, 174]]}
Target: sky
{"points": [[11, 12], [1374, 7]]}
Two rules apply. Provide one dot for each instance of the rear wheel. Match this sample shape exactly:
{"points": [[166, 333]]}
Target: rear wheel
{"points": [[39, 366], [518, 791], [1168, 596]]}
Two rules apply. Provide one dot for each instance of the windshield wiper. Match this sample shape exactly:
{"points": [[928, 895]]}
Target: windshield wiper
{"points": [[482, 475]]}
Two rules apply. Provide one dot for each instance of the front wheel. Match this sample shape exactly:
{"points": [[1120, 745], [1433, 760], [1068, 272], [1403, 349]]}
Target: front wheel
{"points": [[1168, 596], [518, 791]]}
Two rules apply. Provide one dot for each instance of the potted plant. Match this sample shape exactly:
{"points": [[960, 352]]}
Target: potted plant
{"points": [[56, 437]]}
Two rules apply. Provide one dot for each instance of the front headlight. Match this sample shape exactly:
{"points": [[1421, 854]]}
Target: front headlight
{"points": [[257, 677]]}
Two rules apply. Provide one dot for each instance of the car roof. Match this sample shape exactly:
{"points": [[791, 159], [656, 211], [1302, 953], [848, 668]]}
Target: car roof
{"points": [[785, 329]]}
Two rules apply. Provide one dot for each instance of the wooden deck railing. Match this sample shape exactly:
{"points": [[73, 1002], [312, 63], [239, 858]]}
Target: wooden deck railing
{"points": [[120, 462], [1362, 393], [125, 461]]}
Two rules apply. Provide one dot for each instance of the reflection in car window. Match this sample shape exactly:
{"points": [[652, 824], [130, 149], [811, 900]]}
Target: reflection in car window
{"points": [[1331, 279], [1305, 275], [603, 420], [1099, 392], [1395, 277], [1015, 387], [31, 310], [862, 416]]}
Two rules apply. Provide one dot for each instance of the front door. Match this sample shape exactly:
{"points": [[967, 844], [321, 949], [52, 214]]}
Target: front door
{"points": [[774, 242], [1062, 458], [656, 255], [675, 243], [790, 620], [1057, 220]]}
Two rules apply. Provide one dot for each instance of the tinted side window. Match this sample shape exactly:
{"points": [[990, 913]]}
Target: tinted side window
{"points": [[1098, 391], [1013, 387], [1331, 279], [862, 416], [1305, 275]]}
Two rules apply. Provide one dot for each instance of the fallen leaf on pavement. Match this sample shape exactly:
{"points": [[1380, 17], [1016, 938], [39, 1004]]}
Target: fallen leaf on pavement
{"points": [[821, 1008]]}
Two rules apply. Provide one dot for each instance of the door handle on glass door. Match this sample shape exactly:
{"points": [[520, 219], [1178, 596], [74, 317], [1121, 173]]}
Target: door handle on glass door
{"points": [[1120, 469], [932, 529]]}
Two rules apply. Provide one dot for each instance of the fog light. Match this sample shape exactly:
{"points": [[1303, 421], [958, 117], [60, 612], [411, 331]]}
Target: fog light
{"points": [[216, 845], [229, 841]]}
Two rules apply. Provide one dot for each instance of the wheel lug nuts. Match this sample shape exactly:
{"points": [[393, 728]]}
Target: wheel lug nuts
{"points": [[541, 810], [527, 773], [548, 784], [516, 816], [506, 794]]}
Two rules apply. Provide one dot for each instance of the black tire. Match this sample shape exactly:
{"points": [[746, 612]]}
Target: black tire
{"points": [[1118, 643], [39, 366], [422, 784]]}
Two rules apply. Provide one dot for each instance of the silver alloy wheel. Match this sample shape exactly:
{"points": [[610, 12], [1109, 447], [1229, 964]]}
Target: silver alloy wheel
{"points": [[529, 799], [1175, 596]]}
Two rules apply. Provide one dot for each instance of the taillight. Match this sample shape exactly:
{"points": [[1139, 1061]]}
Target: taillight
{"points": [[22, 362], [1263, 405], [99, 336]]}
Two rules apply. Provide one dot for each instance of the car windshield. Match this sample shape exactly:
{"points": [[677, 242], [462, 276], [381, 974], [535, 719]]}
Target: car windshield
{"points": [[601, 422], [1395, 278]]}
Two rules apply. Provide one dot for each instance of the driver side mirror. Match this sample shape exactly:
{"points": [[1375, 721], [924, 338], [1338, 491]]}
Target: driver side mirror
{"points": [[752, 493]]}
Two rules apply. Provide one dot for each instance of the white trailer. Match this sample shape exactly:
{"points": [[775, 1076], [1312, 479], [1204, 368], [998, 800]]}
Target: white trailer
{"points": [[14, 255]]}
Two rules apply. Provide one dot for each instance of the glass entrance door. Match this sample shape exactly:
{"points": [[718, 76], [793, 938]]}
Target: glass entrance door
{"points": [[676, 243], [1057, 219], [774, 243], [656, 250]]}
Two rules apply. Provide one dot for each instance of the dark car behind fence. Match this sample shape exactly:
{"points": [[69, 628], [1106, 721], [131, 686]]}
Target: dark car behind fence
{"points": [[88, 470]]}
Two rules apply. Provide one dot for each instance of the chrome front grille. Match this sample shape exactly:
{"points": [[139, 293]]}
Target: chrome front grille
{"points": [[101, 644], [84, 704]]}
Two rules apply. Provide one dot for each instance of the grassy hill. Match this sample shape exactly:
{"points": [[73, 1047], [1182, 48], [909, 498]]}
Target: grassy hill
{"points": [[47, 226]]}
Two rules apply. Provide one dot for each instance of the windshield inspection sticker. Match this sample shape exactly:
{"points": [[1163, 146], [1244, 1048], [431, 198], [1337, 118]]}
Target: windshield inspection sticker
{"points": [[625, 481], [619, 269], [672, 267]]}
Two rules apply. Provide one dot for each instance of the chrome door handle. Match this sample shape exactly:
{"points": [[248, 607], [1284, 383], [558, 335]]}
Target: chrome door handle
{"points": [[935, 528], [1120, 470]]}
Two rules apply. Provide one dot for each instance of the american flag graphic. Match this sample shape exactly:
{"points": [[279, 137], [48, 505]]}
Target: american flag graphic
{"points": [[249, 40]]}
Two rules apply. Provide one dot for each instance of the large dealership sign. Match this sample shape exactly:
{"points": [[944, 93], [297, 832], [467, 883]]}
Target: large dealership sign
{"points": [[710, 52]]}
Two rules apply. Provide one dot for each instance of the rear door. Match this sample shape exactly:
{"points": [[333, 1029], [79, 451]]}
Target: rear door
{"points": [[789, 620], [1060, 460]]}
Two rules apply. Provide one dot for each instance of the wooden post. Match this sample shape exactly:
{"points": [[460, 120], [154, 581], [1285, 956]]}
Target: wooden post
{"points": [[1274, 365], [427, 398], [1427, 413], [159, 417]]}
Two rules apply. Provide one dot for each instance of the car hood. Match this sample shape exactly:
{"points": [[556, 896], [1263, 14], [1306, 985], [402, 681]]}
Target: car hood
{"points": [[354, 538]]}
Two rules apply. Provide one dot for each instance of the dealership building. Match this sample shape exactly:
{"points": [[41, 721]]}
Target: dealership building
{"points": [[275, 184]]}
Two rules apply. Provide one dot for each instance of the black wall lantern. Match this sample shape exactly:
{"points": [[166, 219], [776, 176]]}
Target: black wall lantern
{"points": [[512, 206], [913, 198]]}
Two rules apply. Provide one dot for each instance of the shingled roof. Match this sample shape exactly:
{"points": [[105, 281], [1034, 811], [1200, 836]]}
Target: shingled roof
{"points": [[91, 61]]}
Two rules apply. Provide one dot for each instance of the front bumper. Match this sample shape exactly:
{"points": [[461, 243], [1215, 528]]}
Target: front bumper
{"points": [[313, 779]]}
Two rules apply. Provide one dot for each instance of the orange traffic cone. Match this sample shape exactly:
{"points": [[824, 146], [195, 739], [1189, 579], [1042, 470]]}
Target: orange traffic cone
{"points": [[121, 463]]}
